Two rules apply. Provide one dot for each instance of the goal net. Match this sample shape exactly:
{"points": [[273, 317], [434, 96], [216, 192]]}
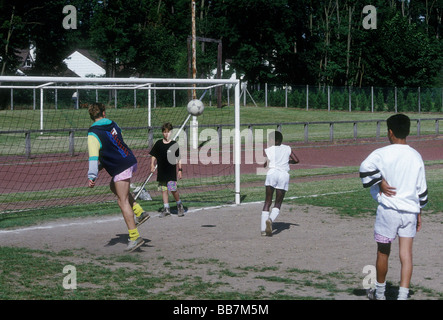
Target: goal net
{"points": [[43, 138]]}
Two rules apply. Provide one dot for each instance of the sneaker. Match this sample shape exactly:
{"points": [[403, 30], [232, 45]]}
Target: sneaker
{"points": [[134, 244], [263, 233], [372, 296], [142, 218], [181, 210], [268, 229], [166, 212]]}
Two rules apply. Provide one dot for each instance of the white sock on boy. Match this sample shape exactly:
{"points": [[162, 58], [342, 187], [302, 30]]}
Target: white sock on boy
{"points": [[274, 213], [264, 217]]}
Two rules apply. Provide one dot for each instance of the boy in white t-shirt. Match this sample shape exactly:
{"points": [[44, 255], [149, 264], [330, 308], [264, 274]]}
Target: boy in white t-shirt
{"points": [[279, 156], [395, 175]]}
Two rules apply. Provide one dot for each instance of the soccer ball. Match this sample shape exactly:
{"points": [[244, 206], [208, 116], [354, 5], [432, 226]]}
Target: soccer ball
{"points": [[195, 107]]}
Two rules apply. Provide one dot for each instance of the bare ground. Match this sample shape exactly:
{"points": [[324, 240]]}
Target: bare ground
{"points": [[313, 253]]}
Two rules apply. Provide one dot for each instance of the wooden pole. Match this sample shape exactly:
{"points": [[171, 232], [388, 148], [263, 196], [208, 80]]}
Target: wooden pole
{"points": [[194, 45]]}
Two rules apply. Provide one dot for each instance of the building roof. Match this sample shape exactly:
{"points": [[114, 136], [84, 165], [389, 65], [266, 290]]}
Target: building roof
{"points": [[26, 58], [84, 65]]}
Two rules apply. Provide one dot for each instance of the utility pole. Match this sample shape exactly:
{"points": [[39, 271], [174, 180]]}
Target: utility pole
{"points": [[194, 45]]}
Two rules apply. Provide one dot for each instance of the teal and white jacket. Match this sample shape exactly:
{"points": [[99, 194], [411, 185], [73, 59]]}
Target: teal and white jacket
{"points": [[107, 148]]}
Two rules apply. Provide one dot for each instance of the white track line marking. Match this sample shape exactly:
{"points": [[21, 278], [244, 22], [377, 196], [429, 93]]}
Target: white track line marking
{"points": [[106, 220], [60, 225]]}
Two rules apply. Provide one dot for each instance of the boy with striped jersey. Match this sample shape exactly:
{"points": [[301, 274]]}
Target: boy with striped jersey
{"points": [[396, 177]]}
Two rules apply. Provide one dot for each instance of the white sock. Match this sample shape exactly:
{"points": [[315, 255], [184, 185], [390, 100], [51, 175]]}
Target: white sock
{"points": [[264, 217], [380, 290], [274, 213], [403, 293], [166, 205]]}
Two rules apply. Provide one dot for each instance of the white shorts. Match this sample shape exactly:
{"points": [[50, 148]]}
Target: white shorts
{"points": [[277, 179], [389, 223]]}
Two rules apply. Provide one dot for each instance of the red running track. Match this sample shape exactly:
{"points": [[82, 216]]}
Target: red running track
{"points": [[18, 174]]}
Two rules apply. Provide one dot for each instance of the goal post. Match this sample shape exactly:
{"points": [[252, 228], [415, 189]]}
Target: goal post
{"points": [[237, 143], [51, 126]]}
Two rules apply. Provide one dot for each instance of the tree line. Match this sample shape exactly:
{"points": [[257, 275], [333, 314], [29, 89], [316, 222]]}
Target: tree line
{"points": [[309, 42]]}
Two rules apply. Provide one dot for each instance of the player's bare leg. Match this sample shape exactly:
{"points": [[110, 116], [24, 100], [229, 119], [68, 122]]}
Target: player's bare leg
{"points": [[166, 210], [279, 196], [140, 215], [121, 190], [268, 198], [405, 248], [266, 222], [381, 265], [180, 209]]}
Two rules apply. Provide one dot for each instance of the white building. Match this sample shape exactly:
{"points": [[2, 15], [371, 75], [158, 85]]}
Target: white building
{"points": [[83, 65]]}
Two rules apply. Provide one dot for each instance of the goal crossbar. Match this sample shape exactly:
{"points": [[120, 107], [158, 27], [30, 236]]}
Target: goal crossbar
{"points": [[135, 83], [105, 87]]}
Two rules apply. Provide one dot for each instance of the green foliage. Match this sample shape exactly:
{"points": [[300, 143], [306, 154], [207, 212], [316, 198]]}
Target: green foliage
{"points": [[402, 55], [318, 42]]}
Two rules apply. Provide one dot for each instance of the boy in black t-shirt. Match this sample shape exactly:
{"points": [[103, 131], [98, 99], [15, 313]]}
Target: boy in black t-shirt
{"points": [[167, 154]]}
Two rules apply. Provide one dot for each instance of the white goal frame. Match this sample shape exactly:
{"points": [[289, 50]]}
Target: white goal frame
{"points": [[69, 83]]}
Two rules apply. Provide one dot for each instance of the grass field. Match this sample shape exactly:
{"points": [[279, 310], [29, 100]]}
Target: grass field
{"points": [[29, 274]]}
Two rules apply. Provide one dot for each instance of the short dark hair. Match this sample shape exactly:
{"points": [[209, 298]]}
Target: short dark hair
{"points": [[400, 125], [276, 136], [167, 126]]}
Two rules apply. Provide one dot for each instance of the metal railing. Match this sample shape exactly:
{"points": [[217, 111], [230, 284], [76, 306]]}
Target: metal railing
{"points": [[248, 131], [330, 98]]}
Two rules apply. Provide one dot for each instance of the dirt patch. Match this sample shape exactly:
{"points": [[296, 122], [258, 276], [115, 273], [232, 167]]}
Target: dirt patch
{"points": [[310, 246]]}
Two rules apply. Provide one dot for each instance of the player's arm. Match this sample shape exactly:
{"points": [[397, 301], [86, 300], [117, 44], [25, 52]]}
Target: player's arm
{"points": [[93, 150], [293, 158], [265, 164], [153, 160], [372, 178], [179, 162], [369, 173], [387, 189], [180, 169], [154, 152], [419, 223], [422, 188], [422, 194]]}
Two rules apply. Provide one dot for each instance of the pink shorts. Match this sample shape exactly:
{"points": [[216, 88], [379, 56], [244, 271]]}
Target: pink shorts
{"points": [[127, 174], [382, 239]]}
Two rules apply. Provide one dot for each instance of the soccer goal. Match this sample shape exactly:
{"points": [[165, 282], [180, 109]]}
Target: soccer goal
{"points": [[43, 138]]}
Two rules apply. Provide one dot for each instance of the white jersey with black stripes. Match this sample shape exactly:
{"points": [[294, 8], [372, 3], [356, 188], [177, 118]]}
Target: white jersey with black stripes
{"points": [[402, 167]]}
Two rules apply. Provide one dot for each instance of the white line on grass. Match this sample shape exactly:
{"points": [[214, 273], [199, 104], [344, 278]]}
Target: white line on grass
{"points": [[61, 225], [106, 220]]}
